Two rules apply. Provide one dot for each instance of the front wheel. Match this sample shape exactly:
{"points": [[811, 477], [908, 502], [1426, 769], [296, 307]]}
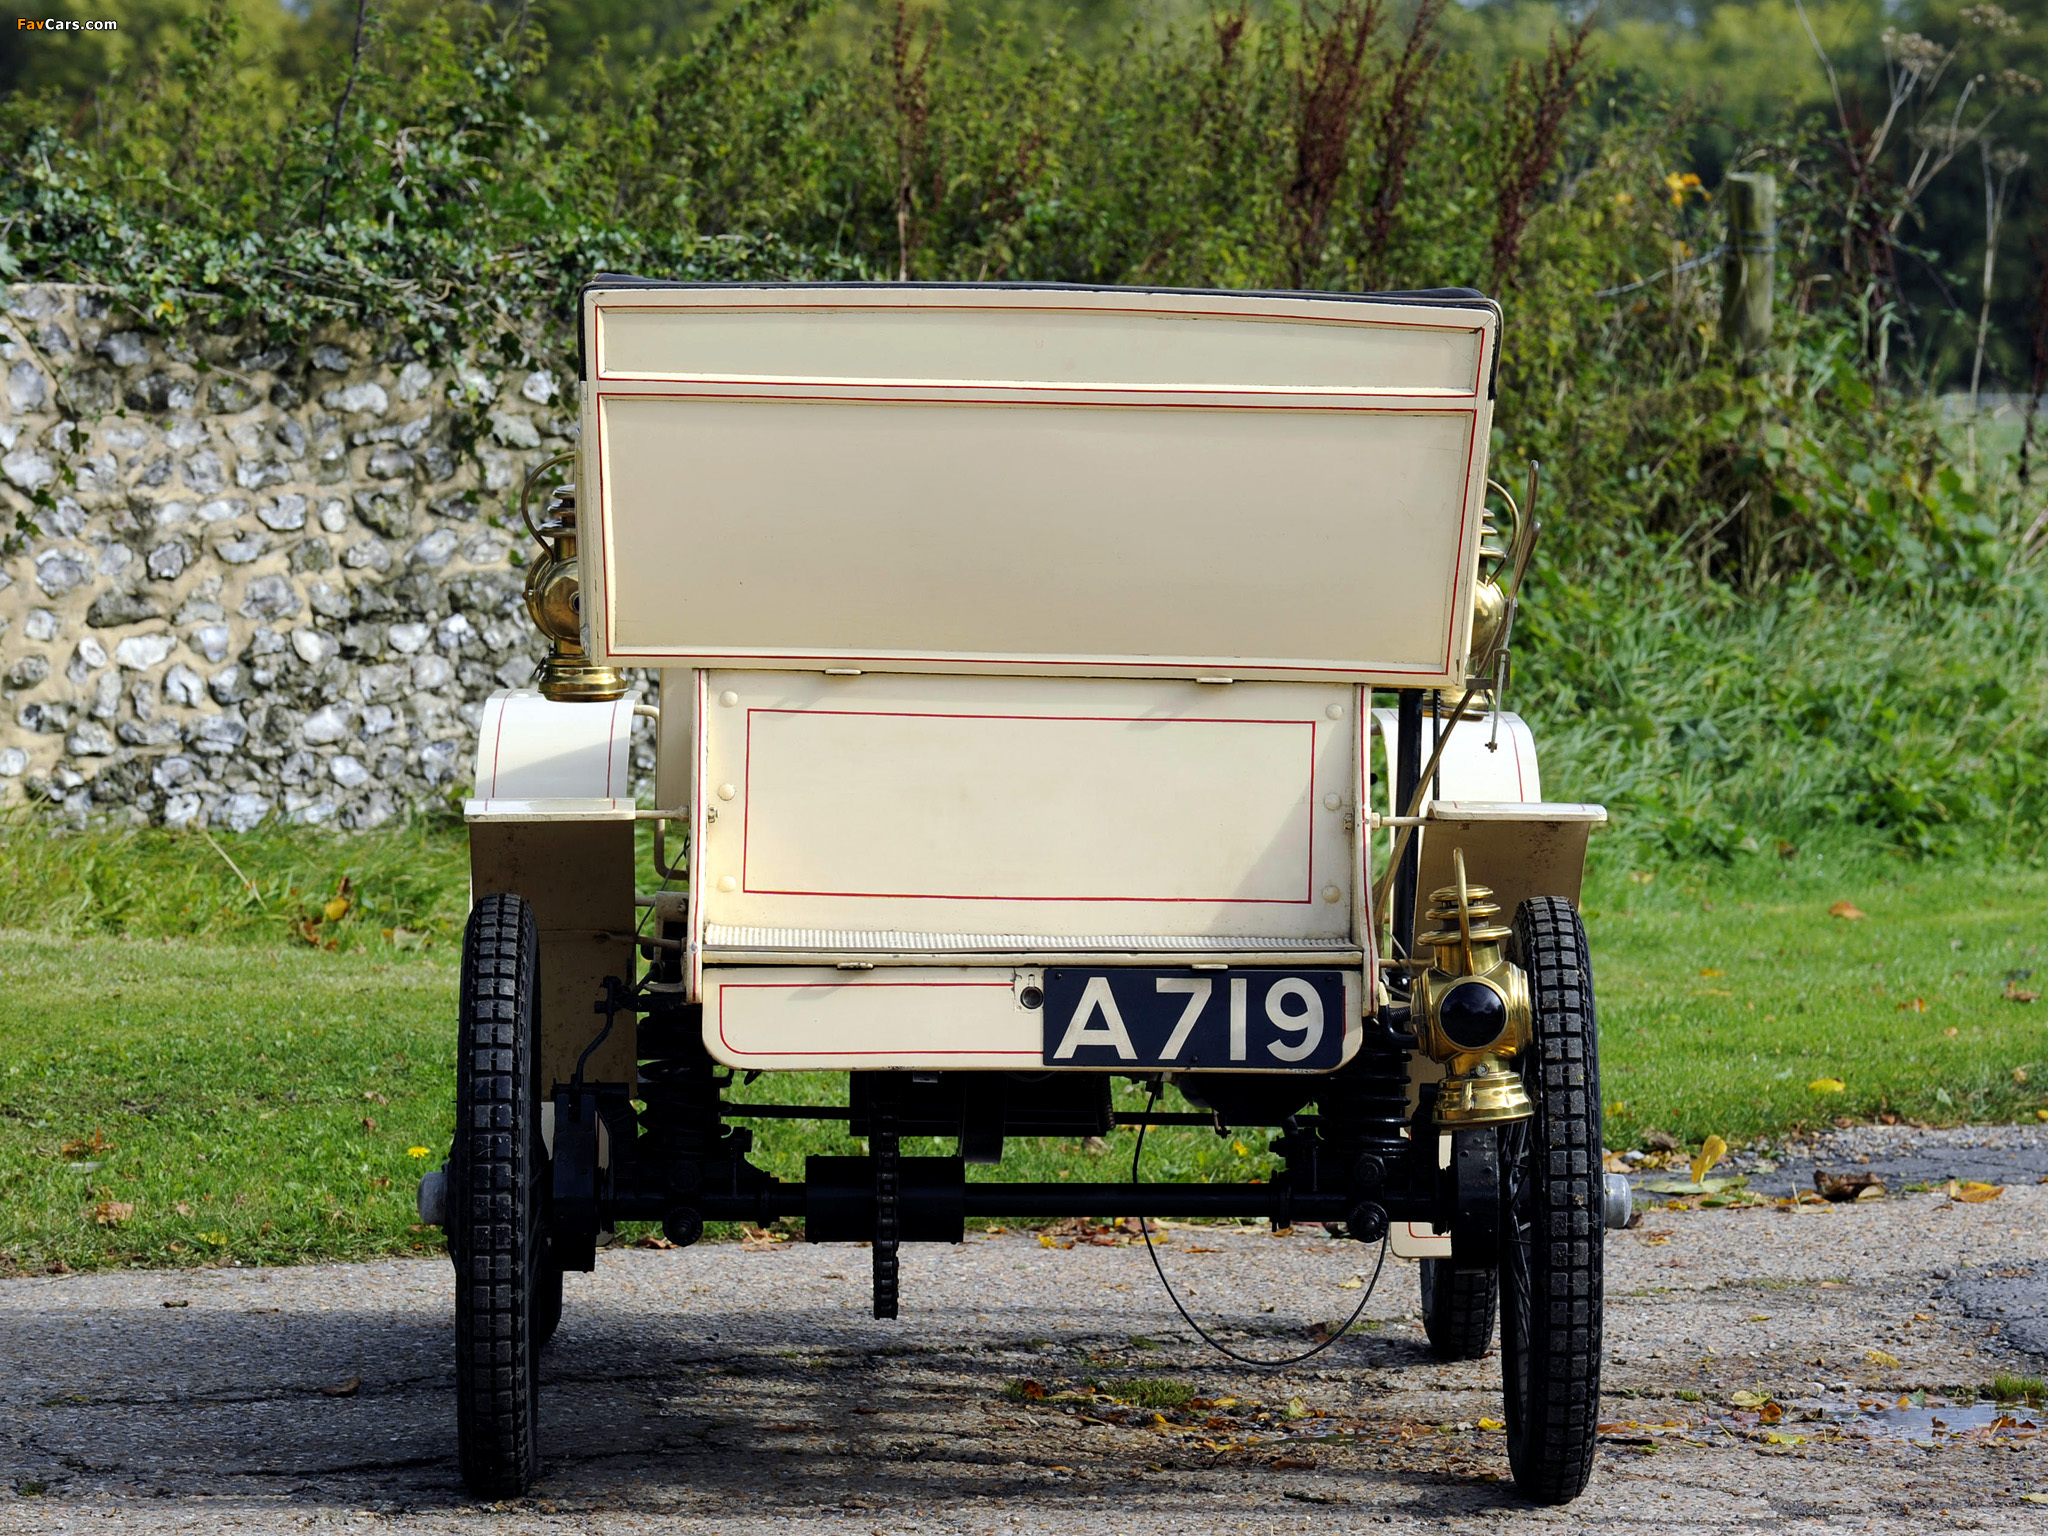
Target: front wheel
{"points": [[497, 1183], [1457, 1309], [1551, 1250]]}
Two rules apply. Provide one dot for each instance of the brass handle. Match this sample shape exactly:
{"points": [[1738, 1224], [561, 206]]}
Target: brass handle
{"points": [[526, 493], [1505, 558]]}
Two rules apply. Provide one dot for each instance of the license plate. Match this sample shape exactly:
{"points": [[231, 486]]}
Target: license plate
{"points": [[1250, 1020]]}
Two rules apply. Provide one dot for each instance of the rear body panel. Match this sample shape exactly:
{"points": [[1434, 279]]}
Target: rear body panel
{"points": [[1029, 806], [887, 861]]}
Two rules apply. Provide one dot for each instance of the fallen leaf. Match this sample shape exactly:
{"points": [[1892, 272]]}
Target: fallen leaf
{"points": [[1490, 1424], [1760, 1317], [1748, 1399], [1951, 1032], [1882, 1357], [1844, 1187], [182, 1208], [177, 1303], [1659, 1141], [1973, 1191], [1292, 1464], [1827, 1085], [2014, 993], [1613, 1162], [1712, 1150], [1847, 911], [1710, 971], [1774, 1438], [91, 1146], [2019, 1074], [369, 1123], [2035, 1498], [1350, 1285], [1770, 1413], [1916, 1005], [336, 909], [1696, 1186], [1296, 1408], [111, 1213], [347, 1388], [653, 1240], [372, 1096]]}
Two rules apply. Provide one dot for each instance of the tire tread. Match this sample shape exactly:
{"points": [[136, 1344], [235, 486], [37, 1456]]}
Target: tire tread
{"points": [[493, 1232], [1553, 1437], [1458, 1307]]}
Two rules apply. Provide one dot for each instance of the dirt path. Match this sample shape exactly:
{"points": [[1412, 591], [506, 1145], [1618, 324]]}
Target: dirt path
{"points": [[731, 1388]]}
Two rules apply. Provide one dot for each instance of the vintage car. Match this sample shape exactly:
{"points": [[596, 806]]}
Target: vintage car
{"points": [[1055, 683]]}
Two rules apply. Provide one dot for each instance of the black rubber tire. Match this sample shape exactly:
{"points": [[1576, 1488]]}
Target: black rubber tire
{"points": [[1552, 1242], [498, 1182], [1458, 1307]]}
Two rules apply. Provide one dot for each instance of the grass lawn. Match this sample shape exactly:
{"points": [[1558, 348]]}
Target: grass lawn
{"points": [[210, 1082], [1724, 999]]}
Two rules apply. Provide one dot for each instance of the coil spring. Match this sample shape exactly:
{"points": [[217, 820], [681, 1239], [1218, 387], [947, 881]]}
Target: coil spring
{"points": [[681, 1118], [1363, 1108]]}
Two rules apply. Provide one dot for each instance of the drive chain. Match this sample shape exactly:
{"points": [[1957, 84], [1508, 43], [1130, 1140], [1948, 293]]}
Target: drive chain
{"points": [[883, 1146]]}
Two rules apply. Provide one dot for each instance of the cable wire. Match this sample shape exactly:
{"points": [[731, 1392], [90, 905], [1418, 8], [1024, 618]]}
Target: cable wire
{"points": [[1684, 266], [1207, 1338]]}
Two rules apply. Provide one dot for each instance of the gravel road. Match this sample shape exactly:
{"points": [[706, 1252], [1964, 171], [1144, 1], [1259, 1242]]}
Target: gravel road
{"points": [[737, 1388]]}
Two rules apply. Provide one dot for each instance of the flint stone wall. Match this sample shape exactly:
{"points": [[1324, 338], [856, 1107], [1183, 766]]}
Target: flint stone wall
{"points": [[276, 582]]}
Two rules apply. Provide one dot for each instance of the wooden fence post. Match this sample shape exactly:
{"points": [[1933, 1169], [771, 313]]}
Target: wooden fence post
{"points": [[1747, 269]]}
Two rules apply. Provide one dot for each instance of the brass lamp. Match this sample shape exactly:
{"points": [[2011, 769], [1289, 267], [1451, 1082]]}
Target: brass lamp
{"points": [[1471, 1007], [554, 599]]}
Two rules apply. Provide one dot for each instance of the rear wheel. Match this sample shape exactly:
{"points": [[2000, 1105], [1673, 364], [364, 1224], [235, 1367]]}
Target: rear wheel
{"points": [[497, 1185], [1458, 1307], [1551, 1249]]}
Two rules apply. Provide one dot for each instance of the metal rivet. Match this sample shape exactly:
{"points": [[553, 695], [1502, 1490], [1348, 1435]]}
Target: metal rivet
{"points": [[1334, 711], [726, 791], [1333, 802], [727, 883], [728, 698], [1330, 893]]}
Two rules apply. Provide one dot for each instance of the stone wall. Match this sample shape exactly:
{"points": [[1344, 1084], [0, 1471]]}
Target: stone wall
{"points": [[276, 581]]}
